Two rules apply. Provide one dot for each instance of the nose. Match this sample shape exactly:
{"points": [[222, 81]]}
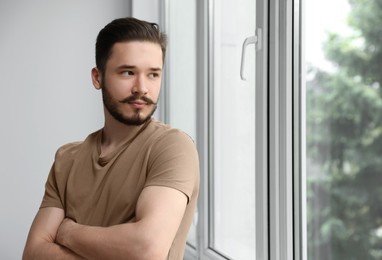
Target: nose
{"points": [[140, 86]]}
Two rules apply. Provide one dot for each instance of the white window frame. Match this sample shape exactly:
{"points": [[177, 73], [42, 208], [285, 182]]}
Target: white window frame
{"points": [[205, 12], [280, 178], [280, 131], [287, 132]]}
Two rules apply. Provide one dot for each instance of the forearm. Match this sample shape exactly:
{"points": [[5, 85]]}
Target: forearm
{"points": [[159, 213], [44, 250], [41, 244], [123, 241]]}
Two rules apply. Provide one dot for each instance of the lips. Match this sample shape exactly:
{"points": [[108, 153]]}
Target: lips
{"points": [[138, 104]]}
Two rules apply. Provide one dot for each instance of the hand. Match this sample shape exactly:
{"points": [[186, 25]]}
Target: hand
{"points": [[64, 231]]}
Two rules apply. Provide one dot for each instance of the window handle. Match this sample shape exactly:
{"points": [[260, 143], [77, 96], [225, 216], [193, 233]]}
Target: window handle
{"points": [[254, 39]]}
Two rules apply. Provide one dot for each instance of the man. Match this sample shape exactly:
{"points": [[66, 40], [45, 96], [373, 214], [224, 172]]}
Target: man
{"points": [[130, 189]]}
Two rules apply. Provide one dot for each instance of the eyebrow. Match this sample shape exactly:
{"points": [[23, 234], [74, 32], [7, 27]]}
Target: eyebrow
{"points": [[134, 67]]}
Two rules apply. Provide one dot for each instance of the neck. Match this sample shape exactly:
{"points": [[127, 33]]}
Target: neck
{"points": [[115, 132]]}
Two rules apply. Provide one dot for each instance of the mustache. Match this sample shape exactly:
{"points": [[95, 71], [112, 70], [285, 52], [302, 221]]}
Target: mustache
{"points": [[129, 99]]}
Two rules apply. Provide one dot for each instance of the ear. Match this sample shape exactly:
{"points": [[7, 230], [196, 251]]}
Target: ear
{"points": [[96, 78]]}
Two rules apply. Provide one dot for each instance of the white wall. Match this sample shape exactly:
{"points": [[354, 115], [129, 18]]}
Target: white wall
{"points": [[147, 10], [46, 98]]}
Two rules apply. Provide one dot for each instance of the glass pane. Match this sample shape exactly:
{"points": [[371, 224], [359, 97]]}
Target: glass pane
{"points": [[344, 129], [233, 155], [181, 61]]}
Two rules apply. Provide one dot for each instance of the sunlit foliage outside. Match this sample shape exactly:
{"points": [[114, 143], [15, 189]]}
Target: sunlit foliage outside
{"points": [[344, 142]]}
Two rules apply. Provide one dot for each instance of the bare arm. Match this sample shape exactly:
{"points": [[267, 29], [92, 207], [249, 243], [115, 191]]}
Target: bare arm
{"points": [[41, 239], [158, 216]]}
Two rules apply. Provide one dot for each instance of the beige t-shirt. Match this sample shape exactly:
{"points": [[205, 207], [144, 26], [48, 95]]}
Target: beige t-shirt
{"points": [[103, 191]]}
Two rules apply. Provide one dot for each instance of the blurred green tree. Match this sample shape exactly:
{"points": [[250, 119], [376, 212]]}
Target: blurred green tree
{"points": [[344, 142]]}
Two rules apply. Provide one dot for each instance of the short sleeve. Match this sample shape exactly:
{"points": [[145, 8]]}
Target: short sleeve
{"points": [[55, 185], [174, 163], [51, 196]]}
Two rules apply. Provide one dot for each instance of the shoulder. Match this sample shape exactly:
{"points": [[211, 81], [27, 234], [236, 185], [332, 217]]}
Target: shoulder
{"points": [[173, 161], [165, 133], [173, 146], [70, 150], [167, 138]]}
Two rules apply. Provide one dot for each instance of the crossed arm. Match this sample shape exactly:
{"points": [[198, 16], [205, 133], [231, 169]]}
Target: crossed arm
{"points": [[158, 215]]}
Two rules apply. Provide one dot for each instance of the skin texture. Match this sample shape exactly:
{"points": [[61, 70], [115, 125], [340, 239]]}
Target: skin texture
{"points": [[129, 93], [133, 70]]}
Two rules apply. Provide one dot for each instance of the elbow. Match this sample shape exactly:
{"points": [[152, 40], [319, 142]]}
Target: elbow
{"points": [[30, 253], [153, 253], [158, 253], [147, 243], [153, 249], [27, 254], [33, 250]]}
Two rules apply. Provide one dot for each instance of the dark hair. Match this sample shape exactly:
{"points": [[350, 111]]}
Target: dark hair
{"points": [[125, 30]]}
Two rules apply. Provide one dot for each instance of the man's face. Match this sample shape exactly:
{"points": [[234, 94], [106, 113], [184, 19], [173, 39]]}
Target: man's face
{"points": [[131, 81]]}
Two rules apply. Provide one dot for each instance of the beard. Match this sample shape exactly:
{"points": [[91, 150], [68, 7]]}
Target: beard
{"points": [[138, 118]]}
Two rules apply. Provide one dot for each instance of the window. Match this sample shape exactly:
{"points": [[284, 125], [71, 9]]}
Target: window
{"points": [[343, 130], [231, 122], [180, 84], [232, 151], [290, 157], [233, 201]]}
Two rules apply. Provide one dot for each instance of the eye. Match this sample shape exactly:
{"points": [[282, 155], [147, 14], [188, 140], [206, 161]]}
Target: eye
{"points": [[153, 75], [127, 73]]}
